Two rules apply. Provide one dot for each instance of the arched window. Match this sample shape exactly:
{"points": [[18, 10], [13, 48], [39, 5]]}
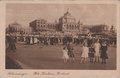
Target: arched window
{"points": [[67, 26], [72, 26], [51, 26], [75, 26], [48, 26]]}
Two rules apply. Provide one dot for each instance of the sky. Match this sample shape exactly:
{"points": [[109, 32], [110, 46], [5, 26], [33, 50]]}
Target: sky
{"points": [[88, 14]]}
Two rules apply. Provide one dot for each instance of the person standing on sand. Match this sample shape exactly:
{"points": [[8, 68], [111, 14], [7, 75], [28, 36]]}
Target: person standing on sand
{"points": [[85, 51], [104, 50], [97, 51], [65, 54]]}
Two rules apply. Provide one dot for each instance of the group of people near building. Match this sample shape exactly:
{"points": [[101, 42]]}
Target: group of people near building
{"points": [[10, 42], [93, 52], [55, 40], [52, 40]]}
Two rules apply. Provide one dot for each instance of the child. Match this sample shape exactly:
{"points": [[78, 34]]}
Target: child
{"points": [[91, 53], [84, 55], [65, 54], [97, 51], [71, 52]]}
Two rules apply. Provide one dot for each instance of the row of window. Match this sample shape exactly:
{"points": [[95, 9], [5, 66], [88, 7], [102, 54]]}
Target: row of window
{"points": [[71, 26], [46, 26]]}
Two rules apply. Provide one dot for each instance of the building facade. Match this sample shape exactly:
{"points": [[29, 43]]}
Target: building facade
{"points": [[99, 28], [41, 25], [67, 23], [14, 28]]}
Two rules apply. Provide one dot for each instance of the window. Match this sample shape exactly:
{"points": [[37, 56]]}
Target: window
{"points": [[67, 26], [72, 26], [53, 26], [48, 26]]}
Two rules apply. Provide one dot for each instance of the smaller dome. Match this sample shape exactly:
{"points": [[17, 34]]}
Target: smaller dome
{"points": [[15, 23], [68, 15]]}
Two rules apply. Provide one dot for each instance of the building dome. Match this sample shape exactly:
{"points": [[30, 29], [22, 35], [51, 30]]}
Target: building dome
{"points": [[14, 27], [68, 15], [67, 18], [15, 24]]}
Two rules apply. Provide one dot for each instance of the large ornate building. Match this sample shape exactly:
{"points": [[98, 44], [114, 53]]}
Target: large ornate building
{"points": [[67, 23]]}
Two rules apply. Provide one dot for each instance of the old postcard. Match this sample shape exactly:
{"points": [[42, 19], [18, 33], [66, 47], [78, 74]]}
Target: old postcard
{"points": [[59, 39]]}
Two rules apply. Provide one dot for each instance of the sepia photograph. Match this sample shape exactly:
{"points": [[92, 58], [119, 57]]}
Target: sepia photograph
{"points": [[61, 36]]}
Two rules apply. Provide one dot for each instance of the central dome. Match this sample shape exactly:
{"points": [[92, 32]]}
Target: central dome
{"points": [[68, 18], [68, 15]]}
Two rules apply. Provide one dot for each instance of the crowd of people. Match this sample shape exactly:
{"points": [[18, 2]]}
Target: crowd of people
{"points": [[92, 48], [57, 39], [10, 42], [54, 40], [93, 51]]}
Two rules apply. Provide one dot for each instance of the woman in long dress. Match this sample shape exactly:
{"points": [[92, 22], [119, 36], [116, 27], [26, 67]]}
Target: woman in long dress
{"points": [[104, 54], [31, 40], [65, 54], [71, 52], [35, 40], [91, 53], [97, 51], [84, 55]]}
